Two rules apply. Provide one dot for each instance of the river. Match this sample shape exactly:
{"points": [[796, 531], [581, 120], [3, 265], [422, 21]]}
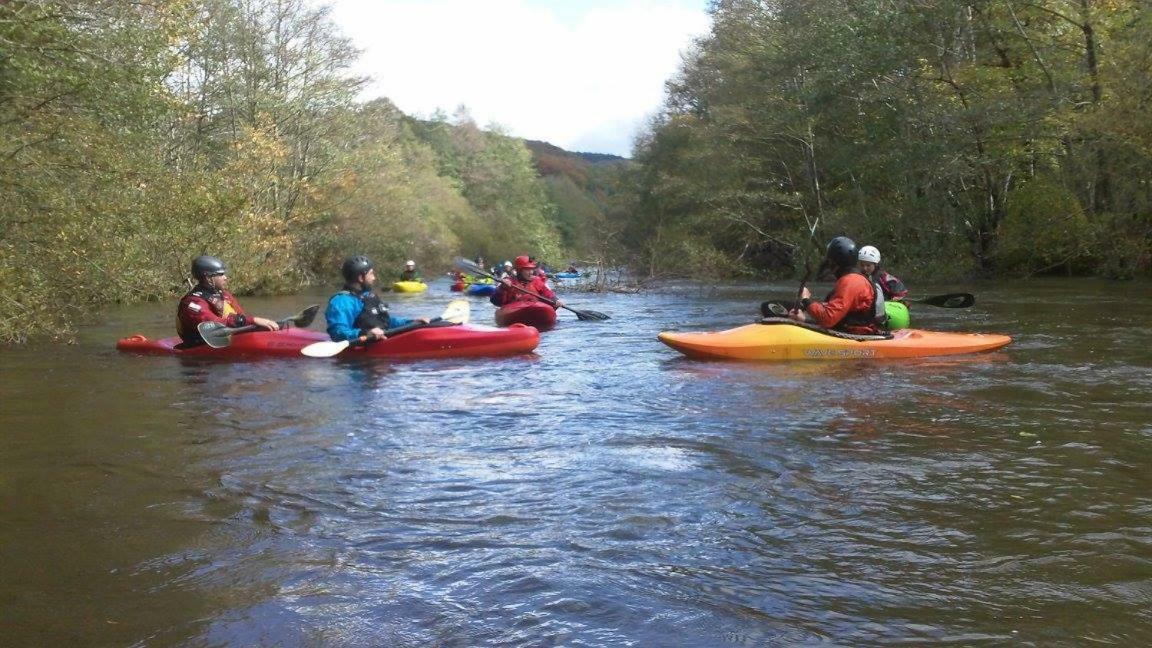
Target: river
{"points": [[602, 492]]}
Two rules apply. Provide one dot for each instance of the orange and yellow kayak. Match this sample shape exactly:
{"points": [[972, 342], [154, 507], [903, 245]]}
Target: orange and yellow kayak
{"points": [[784, 341]]}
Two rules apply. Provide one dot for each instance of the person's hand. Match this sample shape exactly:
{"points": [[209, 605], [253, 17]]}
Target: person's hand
{"points": [[797, 315], [376, 334], [805, 293], [559, 303], [266, 323], [506, 281], [422, 320]]}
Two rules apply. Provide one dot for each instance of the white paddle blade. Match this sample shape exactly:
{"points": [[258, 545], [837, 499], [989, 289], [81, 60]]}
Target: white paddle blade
{"points": [[458, 311], [324, 349]]}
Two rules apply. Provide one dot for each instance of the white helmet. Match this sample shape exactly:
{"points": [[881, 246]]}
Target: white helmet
{"points": [[410, 263], [869, 254]]}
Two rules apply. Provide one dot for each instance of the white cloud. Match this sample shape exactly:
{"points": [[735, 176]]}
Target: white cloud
{"points": [[583, 79]]}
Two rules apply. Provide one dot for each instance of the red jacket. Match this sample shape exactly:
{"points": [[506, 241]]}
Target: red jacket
{"points": [[506, 294], [199, 305], [853, 298]]}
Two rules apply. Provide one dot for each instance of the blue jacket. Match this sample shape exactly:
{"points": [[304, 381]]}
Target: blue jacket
{"points": [[342, 312]]}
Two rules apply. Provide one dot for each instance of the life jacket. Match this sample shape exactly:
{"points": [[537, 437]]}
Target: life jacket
{"points": [[880, 311], [219, 302], [373, 315], [874, 317], [892, 286]]}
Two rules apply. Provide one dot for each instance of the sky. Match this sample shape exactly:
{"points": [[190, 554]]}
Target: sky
{"points": [[585, 75]]}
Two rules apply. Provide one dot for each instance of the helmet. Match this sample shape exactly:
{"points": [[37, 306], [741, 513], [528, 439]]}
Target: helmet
{"points": [[410, 263], [507, 264], [523, 262], [842, 251], [355, 266], [870, 254], [207, 266]]}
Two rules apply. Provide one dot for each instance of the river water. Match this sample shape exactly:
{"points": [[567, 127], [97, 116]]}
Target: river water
{"points": [[602, 492]]}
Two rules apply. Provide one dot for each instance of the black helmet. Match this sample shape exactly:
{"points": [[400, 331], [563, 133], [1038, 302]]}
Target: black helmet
{"points": [[842, 252], [207, 266], [355, 266]]}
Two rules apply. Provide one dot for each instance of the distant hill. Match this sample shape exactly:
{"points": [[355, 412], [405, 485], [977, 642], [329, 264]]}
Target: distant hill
{"points": [[552, 160]]}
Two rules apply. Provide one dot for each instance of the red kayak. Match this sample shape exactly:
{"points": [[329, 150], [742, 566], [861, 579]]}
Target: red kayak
{"points": [[529, 313], [462, 341]]}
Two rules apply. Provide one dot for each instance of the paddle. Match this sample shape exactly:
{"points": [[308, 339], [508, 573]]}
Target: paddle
{"points": [[582, 315], [457, 312], [219, 336], [951, 300]]}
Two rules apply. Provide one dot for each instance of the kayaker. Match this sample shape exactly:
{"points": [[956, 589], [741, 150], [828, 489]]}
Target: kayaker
{"points": [[851, 306], [893, 288], [540, 270], [410, 272], [356, 311], [210, 301], [526, 279], [506, 270]]}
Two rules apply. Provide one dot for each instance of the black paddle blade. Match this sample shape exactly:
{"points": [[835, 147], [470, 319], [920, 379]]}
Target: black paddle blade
{"points": [[951, 300], [774, 308], [589, 315], [470, 267], [304, 319]]}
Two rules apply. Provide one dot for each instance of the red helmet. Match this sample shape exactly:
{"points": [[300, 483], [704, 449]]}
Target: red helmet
{"points": [[522, 262]]}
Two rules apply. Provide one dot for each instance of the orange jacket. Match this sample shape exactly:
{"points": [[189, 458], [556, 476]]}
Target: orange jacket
{"points": [[853, 298]]}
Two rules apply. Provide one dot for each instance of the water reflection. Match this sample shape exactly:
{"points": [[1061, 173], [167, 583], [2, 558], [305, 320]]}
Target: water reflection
{"points": [[604, 491]]}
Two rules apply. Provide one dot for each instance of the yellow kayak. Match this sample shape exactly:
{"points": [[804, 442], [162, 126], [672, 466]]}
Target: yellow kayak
{"points": [[409, 286], [793, 341]]}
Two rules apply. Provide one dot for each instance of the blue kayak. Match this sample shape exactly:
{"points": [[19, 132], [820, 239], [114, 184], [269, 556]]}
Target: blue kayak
{"points": [[480, 289], [567, 275]]}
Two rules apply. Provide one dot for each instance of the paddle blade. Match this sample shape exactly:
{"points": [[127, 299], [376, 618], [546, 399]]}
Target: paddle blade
{"points": [[951, 300], [590, 315], [215, 334], [324, 349], [304, 318], [458, 311], [470, 266]]}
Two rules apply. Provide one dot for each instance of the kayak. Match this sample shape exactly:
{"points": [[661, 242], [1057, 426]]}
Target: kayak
{"points": [[481, 289], [567, 275], [462, 341], [286, 342], [795, 341], [409, 286], [457, 286], [530, 313]]}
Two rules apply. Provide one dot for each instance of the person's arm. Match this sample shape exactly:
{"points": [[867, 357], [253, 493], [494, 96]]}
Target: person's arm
{"points": [[828, 314], [241, 318], [544, 291], [341, 316], [393, 321], [500, 295]]}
